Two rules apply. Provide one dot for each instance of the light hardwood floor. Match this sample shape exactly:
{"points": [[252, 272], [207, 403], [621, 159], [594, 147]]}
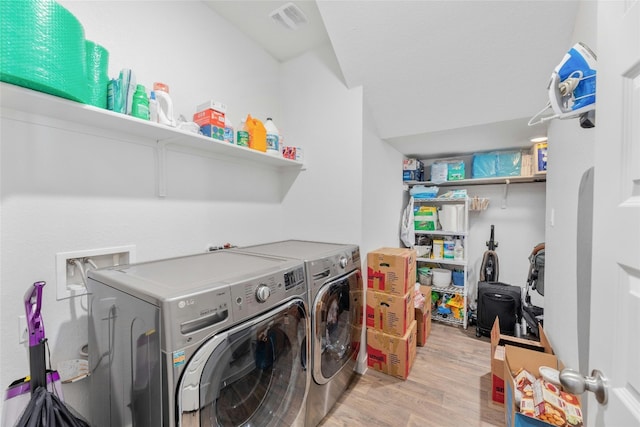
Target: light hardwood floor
{"points": [[449, 385]]}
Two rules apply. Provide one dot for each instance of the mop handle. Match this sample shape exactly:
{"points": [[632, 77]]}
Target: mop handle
{"points": [[32, 305]]}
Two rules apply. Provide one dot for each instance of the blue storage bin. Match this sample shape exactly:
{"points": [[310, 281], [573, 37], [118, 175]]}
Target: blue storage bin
{"points": [[508, 163], [457, 278], [484, 165]]}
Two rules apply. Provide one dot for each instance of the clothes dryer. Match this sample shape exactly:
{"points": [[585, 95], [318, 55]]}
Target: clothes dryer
{"points": [[215, 339], [334, 276]]}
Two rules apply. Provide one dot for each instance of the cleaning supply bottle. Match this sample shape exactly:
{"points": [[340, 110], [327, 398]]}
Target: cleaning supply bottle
{"points": [[273, 138], [140, 103], [458, 251], [165, 105], [153, 107], [228, 130], [257, 134], [242, 137]]}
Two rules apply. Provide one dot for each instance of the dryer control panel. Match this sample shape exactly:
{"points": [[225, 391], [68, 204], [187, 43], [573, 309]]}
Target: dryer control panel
{"points": [[255, 296]]}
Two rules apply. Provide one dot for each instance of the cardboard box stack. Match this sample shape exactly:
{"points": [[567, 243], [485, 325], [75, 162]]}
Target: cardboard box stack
{"points": [[390, 311]]}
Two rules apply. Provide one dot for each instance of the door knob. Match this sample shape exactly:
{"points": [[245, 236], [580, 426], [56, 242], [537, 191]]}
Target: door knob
{"points": [[575, 383]]}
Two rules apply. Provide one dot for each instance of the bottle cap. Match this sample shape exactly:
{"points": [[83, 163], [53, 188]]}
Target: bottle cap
{"points": [[161, 86]]}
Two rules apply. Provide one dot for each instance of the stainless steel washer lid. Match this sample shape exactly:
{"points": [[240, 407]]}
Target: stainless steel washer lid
{"points": [[166, 279], [298, 249]]}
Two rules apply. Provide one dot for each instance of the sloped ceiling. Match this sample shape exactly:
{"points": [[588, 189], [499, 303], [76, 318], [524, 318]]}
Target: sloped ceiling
{"points": [[434, 72]]}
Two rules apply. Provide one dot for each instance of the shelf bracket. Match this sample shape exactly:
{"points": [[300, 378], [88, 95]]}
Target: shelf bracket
{"points": [[161, 167], [505, 194]]}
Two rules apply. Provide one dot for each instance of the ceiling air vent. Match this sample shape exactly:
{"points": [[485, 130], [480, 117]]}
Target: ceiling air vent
{"points": [[289, 16]]}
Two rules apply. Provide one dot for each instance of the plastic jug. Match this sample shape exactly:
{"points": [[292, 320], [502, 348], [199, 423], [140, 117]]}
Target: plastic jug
{"points": [[273, 138], [165, 108], [257, 134]]}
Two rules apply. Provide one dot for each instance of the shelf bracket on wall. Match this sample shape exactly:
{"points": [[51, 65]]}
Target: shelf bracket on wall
{"points": [[161, 168], [505, 194]]}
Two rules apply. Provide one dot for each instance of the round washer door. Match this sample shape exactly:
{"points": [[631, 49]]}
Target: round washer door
{"points": [[252, 375], [337, 308]]}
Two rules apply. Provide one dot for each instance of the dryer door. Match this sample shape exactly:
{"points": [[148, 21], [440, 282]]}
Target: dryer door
{"points": [[336, 313], [251, 375]]}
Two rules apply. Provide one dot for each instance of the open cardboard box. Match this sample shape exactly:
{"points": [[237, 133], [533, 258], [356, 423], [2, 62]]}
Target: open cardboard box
{"points": [[515, 359], [498, 342]]}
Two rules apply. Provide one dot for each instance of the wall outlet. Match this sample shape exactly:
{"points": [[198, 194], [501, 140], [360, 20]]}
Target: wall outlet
{"points": [[23, 332], [72, 267]]}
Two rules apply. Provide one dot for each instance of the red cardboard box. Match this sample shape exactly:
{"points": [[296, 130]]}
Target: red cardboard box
{"points": [[390, 354], [391, 270], [389, 313], [209, 117]]}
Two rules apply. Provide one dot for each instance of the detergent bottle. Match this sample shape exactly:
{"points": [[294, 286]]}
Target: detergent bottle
{"points": [[242, 137], [140, 103], [257, 134], [273, 138], [165, 105]]}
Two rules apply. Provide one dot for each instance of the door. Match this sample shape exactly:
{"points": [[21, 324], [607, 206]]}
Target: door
{"points": [[252, 375], [615, 296], [335, 319]]}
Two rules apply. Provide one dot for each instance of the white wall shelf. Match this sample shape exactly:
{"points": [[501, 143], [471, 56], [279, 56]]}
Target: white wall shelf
{"points": [[33, 103], [482, 181]]}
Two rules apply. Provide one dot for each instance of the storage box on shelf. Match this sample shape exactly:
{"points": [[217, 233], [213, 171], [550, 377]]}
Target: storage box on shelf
{"points": [[453, 216]]}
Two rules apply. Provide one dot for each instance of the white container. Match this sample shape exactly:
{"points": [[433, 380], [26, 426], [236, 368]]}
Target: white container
{"points": [[273, 138], [458, 251], [165, 109], [448, 248], [440, 277]]}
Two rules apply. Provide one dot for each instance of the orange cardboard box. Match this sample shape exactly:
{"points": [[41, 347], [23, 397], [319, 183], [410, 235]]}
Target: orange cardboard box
{"points": [[390, 354], [391, 270], [423, 317], [498, 342], [389, 313]]}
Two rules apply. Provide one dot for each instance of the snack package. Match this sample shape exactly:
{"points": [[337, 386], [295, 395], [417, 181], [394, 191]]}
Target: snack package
{"points": [[548, 406], [572, 409]]}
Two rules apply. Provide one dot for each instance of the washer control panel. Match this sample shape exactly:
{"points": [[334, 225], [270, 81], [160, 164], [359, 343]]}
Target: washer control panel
{"points": [[262, 293]]}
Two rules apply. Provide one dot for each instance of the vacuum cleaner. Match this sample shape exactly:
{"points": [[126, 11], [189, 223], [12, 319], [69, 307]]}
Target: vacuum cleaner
{"points": [[572, 88]]}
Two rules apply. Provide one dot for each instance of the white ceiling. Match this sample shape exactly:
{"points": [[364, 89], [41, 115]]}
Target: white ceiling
{"points": [[439, 77]]}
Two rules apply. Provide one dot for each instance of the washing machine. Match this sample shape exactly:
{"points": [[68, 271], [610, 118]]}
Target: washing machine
{"points": [[215, 339], [334, 275]]}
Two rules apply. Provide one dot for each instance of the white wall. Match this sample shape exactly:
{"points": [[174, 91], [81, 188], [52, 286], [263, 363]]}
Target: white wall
{"points": [[324, 117], [66, 190], [570, 155], [382, 190]]}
